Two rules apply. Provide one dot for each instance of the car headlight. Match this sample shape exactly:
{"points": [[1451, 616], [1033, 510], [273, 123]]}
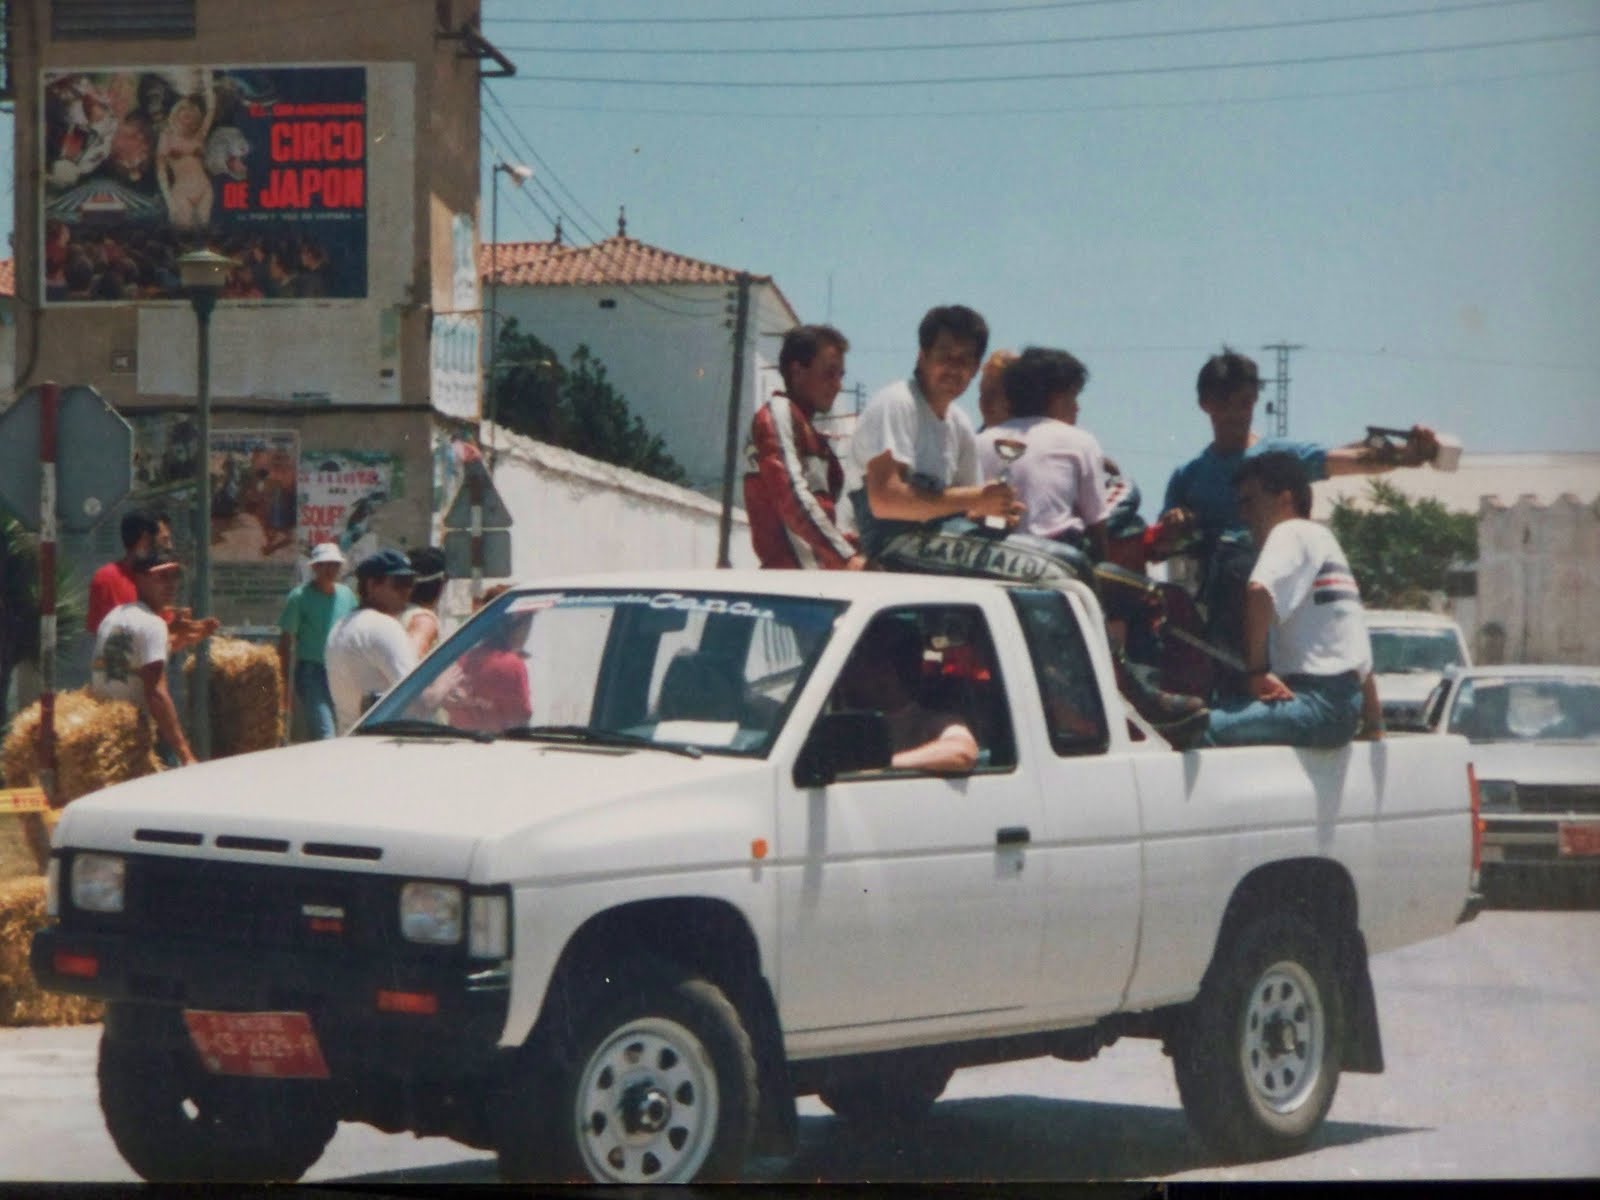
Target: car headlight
{"points": [[1497, 795], [487, 927], [99, 882], [431, 912]]}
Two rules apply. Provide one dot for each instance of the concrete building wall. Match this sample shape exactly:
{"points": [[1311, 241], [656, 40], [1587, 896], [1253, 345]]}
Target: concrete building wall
{"points": [[1538, 595], [669, 352]]}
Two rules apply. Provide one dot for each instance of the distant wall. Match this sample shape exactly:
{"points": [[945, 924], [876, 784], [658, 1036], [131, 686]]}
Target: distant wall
{"points": [[1538, 595]]}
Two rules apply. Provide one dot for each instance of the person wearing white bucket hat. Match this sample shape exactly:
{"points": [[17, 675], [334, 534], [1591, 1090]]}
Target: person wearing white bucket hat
{"points": [[309, 612]]}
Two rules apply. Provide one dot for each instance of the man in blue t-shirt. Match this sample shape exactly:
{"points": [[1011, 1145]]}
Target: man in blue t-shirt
{"points": [[1201, 499]]}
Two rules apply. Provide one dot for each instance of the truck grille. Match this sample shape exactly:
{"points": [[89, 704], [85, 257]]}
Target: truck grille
{"points": [[1575, 798], [263, 907]]}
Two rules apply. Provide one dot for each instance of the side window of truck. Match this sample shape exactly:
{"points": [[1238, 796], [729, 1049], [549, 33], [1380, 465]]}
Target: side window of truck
{"points": [[958, 674], [1067, 687]]}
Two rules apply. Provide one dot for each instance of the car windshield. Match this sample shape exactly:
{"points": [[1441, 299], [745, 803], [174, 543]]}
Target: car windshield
{"points": [[1528, 709], [1410, 651], [707, 672]]}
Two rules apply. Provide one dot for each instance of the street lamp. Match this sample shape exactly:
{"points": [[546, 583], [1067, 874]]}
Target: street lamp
{"points": [[203, 274], [518, 175]]}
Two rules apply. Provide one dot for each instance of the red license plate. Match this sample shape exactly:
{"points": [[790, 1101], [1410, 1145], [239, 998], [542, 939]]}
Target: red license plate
{"points": [[1575, 840], [268, 1045]]}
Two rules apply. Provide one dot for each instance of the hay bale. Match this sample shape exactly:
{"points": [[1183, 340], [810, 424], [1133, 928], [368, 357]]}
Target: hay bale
{"points": [[98, 743], [246, 696], [21, 1001]]}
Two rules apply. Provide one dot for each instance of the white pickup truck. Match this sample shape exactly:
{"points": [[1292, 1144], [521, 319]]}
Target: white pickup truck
{"points": [[623, 868]]}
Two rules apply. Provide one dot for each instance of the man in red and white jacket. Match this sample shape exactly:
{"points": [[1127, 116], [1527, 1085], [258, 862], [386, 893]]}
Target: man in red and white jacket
{"points": [[792, 477]]}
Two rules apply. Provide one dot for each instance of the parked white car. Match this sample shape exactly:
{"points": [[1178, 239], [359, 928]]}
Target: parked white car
{"points": [[623, 867], [1410, 653], [1535, 734]]}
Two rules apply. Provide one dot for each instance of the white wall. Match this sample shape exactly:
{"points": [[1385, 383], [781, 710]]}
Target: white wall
{"points": [[572, 514], [672, 367], [1539, 579]]}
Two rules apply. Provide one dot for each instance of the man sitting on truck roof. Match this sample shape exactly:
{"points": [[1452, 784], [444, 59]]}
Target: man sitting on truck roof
{"points": [[1307, 655]]}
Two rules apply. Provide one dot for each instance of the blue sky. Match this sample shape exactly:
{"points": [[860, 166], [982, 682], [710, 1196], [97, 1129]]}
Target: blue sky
{"points": [[1422, 219]]}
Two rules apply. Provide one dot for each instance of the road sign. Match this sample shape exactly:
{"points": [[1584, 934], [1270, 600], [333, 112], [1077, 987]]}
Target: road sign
{"points": [[496, 553], [495, 513], [94, 458]]}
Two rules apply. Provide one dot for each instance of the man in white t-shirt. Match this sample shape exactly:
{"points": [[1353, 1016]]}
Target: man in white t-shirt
{"points": [[1057, 468], [914, 451], [130, 651], [368, 651], [1307, 656]]}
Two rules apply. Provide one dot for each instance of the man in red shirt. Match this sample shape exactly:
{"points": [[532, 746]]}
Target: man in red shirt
{"points": [[113, 583], [143, 533], [792, 477]]}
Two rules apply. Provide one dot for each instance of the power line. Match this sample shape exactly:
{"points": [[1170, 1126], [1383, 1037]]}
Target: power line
{"points": [[1128, 106], [1008, 43], [1053, 76], [893, 14]]}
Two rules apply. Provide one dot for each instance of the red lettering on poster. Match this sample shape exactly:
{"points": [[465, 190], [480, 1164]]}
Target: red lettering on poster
{"points": [[311, 187]]}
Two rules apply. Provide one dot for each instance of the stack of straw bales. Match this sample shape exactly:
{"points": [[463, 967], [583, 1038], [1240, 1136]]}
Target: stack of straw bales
{"points": [[21, 1001], [98, 743], [246, 697]]}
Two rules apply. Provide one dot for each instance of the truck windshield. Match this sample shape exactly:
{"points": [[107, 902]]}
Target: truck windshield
{"points": [[1408, 651], [714, 672], [1528, 709]]}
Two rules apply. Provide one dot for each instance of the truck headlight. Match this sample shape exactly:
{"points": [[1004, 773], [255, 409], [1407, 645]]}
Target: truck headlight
{"points": [[431, 912], [487, 927], [1497, 795], [98, 882]]}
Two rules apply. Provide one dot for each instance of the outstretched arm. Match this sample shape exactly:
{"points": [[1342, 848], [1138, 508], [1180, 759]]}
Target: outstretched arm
{"points": [[1358, 458]]}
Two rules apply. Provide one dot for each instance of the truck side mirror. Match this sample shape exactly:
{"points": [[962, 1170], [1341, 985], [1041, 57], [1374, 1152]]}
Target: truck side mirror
{"points": [[842, 742]]}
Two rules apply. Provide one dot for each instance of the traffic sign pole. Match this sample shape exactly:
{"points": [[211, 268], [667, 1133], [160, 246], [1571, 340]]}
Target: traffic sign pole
{"points": [[33, 826]]}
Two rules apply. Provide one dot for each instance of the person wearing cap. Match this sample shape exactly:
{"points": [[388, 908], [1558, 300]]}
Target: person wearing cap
{"points": [[310, 612], [421, 617], [1201, 500], [368, 651], [130, 652]]}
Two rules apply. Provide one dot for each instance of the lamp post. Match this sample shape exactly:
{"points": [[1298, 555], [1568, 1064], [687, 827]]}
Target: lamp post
{"points": [[203, 274], [518, 175]]}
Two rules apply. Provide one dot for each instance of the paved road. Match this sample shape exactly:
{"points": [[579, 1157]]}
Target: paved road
{"points": [[1491, 1036]]}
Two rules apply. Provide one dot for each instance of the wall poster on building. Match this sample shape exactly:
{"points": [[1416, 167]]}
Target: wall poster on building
{"points": [[264, 164], [340, 490], [254, 496]]}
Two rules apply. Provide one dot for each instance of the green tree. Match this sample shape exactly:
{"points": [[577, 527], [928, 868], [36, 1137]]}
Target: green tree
{"points": [[1400, 549], [19, 603], [574, 406]]}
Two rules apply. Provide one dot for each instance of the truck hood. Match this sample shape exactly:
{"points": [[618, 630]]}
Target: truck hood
{"points": [[386, 805], [1538, 763]]}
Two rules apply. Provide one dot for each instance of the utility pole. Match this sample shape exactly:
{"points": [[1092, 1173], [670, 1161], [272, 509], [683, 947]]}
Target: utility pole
{"points": [[730, 449], [1278, 406]]}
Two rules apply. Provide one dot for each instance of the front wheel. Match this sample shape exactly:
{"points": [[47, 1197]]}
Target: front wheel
{"points": [[171, 1120], [656, 1083], [1258, 1058]]}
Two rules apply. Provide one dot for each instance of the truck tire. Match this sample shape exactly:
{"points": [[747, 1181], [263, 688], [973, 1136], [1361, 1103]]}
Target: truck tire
{"points": [[1257, 1059], [172, 1121], [896, 1098], [654, 1083]]}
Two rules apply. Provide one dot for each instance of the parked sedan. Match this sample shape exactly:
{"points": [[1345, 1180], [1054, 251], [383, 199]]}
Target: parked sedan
{"points": [[1535, 733]]}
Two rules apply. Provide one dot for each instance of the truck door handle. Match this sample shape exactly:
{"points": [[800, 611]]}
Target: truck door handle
{"points": [[1013, 835]]}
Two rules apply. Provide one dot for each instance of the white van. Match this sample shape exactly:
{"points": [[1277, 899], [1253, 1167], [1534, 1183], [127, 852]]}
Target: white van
{"points": [[1410, 653]]}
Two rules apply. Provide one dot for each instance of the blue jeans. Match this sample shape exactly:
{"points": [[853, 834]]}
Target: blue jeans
{"points": [[1324, 714], [312, 697]]}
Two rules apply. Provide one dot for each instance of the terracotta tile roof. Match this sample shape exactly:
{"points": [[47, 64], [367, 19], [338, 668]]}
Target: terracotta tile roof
{"points": [[618, 261], [8, 277]]}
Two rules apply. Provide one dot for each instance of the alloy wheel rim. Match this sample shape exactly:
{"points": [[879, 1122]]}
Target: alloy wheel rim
{"points": [[647, 1105], [1285, 1032]]}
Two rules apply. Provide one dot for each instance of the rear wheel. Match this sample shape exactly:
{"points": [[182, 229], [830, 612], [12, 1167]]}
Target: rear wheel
{"points": [[1258, 1059], [171, 1120], [655, 1084]]}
